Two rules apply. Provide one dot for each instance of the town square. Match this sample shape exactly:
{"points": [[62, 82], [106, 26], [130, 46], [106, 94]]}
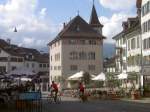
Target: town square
{"points": [[74, 56]]}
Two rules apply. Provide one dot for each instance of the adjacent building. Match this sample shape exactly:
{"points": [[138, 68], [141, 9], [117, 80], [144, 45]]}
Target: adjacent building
{"points": [[128, 44], [145, 23], [129, 47], [78, 47], [14, 57], [110, 65]]}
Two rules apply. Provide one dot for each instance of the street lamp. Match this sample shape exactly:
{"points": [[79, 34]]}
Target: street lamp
{"points": [[141, 71]]}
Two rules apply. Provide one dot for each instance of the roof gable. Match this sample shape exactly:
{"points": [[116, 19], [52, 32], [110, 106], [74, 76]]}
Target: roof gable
{"points": [[78, 28]]}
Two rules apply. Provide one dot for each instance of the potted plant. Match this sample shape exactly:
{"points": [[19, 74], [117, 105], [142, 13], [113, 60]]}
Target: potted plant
{"points": [[146, 91], [135, 94]]}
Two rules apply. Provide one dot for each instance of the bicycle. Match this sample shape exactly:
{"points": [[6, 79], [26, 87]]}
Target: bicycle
{"points": [[51, 98], [83, 97]]}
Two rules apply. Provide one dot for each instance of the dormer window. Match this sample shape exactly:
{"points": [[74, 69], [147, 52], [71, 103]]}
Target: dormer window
{"points": [[78, 28], [27, 57], [32, 57]]}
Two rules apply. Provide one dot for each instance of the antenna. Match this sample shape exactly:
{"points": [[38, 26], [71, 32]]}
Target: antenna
{"points": [[93, 2], [78, 12]]}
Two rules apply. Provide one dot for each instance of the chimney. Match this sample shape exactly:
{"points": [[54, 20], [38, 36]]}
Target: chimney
{"points": [[125, 26], [64, 24], [8, 41]]}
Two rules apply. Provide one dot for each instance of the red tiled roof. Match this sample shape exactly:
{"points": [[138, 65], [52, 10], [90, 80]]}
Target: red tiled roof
{"points": [[78, 28]]}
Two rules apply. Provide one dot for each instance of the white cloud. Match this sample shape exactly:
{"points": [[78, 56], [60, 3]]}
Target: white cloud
{"points": [[118, 4], [113, 25], [32, 26], [28, 40], [43, 12]]}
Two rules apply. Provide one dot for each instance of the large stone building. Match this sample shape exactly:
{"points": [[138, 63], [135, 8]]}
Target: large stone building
{"points": [[78, 47]]}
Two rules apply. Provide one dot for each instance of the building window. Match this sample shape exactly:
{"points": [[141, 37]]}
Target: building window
{"points": [[91, 67], [44, 65], [72, 41], [33, 65], [146, 9], [40, 65], [91, 56], [51, 67], [59, 67], [13, 59], [124, 52], [2, 69], [149, 25], [27, 65], [146, 43], [82, 56], [74, 55], [92, 42], [124, 40], [51, 58], [133, 43], [57, 57], [82, 42], [146, 26], [20, 59], [138, 42], [13, 67], [55, 67], [128, 44], [3, 59], [73, 67]]}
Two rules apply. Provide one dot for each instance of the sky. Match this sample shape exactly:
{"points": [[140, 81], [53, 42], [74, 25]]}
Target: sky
{"points": [[39, 21]]}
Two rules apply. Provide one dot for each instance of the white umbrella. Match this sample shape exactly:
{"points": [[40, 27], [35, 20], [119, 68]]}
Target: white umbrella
{"points": [[100, 77], [26, 79], [76, 76], [123, 75]]}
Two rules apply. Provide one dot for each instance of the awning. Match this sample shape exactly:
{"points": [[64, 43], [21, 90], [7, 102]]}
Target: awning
{"points": [[100, 77], [21, 72], [123, 75], [78, 76]]}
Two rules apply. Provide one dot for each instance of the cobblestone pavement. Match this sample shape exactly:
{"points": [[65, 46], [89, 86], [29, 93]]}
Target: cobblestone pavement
{"points": [[73, 105]]}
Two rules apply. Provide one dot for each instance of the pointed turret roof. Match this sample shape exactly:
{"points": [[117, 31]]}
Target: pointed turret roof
{"points": [[94, 21]]}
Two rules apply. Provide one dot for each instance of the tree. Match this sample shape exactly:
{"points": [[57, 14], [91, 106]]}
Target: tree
{"points": [[86, 78]]}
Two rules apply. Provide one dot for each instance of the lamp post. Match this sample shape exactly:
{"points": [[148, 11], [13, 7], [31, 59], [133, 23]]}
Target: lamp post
{"points": [[141, 71]]}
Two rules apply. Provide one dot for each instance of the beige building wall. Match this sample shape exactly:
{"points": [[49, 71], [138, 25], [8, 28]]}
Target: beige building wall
{"points": [[54, 49], [81, 64], [64, 49]]}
